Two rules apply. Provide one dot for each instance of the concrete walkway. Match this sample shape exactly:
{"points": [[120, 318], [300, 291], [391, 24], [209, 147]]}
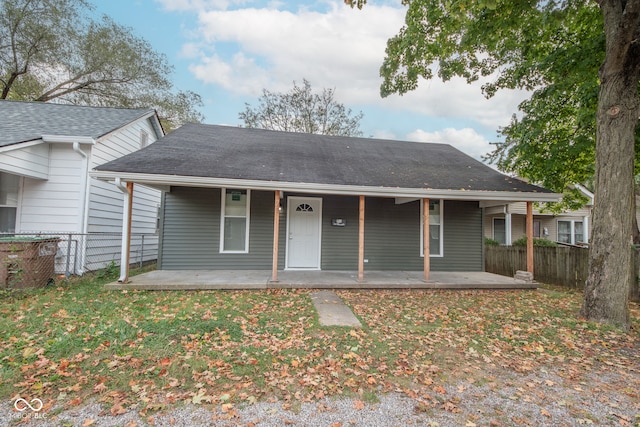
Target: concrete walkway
{"points": [[259, 279], [332, 311]]}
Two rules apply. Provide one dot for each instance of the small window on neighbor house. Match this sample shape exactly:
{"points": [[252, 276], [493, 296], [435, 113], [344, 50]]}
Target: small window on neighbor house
{"points": [[578, 232], [234, 221], [144, 139], [536, 229], [571, 232], [9, 185], [500, 230], [435, 228]]}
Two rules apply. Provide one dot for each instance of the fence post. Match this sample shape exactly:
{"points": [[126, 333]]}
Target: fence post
{"points": [[67, 272]]}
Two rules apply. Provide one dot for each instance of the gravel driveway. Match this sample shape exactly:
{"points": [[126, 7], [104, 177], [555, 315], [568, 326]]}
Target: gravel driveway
{"points": [[604, 398]]}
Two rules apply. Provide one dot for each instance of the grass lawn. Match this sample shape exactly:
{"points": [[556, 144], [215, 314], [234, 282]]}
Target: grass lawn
{"points": [[75, 342]]}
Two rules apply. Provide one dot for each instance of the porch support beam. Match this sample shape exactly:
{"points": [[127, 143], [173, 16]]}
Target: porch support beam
{"points": [[127, 213], [361, 241], [276, 236], [529, 227], [425, 239]]}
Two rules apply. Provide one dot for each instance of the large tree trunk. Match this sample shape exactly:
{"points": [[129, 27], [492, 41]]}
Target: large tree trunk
{"points": [[610, 259]]}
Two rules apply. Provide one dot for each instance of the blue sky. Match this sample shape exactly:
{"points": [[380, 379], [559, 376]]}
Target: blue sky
{"points": [[229, 50]]}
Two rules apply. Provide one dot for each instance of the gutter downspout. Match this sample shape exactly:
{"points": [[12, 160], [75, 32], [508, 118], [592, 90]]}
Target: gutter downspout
{"points": [[127, 210], [84, 201]]}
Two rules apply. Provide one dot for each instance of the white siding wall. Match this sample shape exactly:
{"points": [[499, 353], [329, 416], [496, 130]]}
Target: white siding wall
{"points": [[106, 201], [32, 161], [54, 204]]}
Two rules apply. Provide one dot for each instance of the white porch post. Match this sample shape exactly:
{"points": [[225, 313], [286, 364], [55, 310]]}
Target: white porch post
{"points": [[529, 226], [127, 212], [507, 229], [585, 229], [276, 234]]}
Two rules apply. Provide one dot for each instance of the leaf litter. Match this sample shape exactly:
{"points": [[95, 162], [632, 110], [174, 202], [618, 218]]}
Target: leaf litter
{"points": [[446, 357]]}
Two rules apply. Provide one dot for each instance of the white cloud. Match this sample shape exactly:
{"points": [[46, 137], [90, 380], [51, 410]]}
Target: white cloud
{"points": [[191, 5], [383, 134], [466, 140], [247, 49], [190, 51], [341, 48]]}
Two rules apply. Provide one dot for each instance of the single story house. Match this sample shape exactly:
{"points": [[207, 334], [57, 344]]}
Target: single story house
{"points": [[506, 223], [46, 153], [238, 198]]}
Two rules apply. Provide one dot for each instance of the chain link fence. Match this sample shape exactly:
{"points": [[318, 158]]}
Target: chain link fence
{"points": [[33, 259]]}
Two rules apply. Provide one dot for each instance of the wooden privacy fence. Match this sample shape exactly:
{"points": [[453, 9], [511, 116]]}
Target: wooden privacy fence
{"points": [[558, 265]]}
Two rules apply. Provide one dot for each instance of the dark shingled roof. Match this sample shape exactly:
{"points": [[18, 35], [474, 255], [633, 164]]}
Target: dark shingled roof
{"points": [[28, 121], [197, 150]]}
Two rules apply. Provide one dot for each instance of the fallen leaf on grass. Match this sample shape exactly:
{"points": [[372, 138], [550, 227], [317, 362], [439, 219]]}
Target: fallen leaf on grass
{"points": [[358, 404], [100, 388], [117, 409], [88, 422]]}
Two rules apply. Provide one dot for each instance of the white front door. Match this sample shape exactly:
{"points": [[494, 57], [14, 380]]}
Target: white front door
{"points": [[304, 227]]}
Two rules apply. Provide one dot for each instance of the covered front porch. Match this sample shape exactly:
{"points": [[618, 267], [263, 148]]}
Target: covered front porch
{"points": [[261, 279]]}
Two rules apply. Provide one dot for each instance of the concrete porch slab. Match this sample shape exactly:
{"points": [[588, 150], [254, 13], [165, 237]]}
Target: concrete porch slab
{"points": [[260, 279]]}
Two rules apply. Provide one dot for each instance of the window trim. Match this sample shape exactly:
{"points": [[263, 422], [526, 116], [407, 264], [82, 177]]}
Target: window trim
{"points": [[572, 230], [18, 204], [440, 253], [223, 194], [493, 229]]}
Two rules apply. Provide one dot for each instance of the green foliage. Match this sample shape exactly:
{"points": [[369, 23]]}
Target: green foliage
{"points": [[536, 242], [51, 50], [302, 110], [110, 272], [552, 48], [491, 242]]}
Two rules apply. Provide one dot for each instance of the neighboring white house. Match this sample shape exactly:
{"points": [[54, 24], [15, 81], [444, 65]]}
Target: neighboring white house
{"points": [[46, 151], [506, 223]]}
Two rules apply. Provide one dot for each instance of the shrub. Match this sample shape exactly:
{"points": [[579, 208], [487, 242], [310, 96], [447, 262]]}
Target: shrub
{"points": [[536, 242], [491, 242]]}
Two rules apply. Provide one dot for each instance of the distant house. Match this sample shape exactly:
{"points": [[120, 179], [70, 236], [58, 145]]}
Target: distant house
{"points": [[506, 223], [46, 151], [249, 199]]}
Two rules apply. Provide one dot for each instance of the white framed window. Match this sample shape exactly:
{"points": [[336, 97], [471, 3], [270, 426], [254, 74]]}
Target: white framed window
{"points": [[571, 232], [536, 229], [9, 186], [436, 241], [234, 221], [500, 230]]}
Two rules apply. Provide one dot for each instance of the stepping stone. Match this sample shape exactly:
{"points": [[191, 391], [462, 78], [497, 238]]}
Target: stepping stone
{"points": [[332, 311]]}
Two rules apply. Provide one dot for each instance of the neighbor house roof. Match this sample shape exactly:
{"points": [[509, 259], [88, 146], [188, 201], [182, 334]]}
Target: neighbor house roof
{"points": [[210, 155], [29, 121]]}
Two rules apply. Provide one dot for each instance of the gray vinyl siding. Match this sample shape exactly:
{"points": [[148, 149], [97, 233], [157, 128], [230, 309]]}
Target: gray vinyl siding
{"points": [[190, 229], [340, 244], [392, 236], [191, 232], [463, 238]]}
